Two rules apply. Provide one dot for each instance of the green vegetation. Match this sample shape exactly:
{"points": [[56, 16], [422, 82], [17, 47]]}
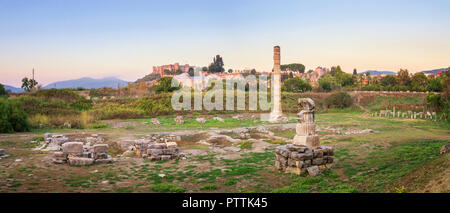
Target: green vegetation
{"points": [[167, 188], [338, 100], [296, 84], [12, 117]]}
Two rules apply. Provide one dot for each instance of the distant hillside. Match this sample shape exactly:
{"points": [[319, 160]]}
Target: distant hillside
{"points": [[436, 71], [375, 72], [13, 89], [149, 77], [87, 83]]}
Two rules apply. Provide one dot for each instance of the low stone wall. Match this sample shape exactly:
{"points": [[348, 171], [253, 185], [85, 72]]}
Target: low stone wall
{"points": [[297, 159]]}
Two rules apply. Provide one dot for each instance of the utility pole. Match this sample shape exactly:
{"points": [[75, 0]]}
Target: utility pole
{"points": [[33, 73]]}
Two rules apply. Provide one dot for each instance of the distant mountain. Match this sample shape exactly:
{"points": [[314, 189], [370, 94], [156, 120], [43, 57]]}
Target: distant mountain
{"points": [[436, 71], [87, 83], [13, 89], [375, 72]]}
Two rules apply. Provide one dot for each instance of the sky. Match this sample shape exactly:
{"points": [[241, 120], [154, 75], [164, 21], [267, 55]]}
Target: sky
{"points": [[68, 39]]}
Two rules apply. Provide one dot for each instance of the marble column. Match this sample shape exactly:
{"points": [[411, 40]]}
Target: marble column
{"points": [[276, 115]]}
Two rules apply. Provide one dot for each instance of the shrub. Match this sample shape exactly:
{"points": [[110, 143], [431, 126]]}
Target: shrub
{"points": [[12, 117], [434, 101], [97, 126], [338, 100]]}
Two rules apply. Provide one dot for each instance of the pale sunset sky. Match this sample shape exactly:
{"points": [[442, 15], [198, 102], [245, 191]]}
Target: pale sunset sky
{"points": [[68, 39]]}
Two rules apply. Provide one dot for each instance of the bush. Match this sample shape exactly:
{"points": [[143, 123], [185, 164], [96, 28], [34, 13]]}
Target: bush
{"points": [[434, 101], [12, 117], [338, 100]]}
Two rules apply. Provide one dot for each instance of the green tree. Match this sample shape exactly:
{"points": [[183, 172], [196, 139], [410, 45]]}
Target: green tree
{"points": [[191, 72], [434, 84], [419, 82], [388, 80], [164, 85], [328, 83], [2, 90], [403, 78], [217, 65], [230, 70], [204, 69], [28, 84], [295, 67], [291, 75], [296, 84]]}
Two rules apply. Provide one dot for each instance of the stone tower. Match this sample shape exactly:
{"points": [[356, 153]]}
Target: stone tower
{"points": [[276, 115]]}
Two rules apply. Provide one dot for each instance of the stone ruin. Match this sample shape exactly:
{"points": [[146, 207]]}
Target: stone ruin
{"points": [[305, 154], [158, 147], [75, 153]]}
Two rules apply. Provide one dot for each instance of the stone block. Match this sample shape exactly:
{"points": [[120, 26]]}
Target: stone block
{"points": [[100, 156], [294, 170], [318, 161], [101, 148], [305, 129], [80, 161], [104, 161], [158, 146], [308, 141], [60, 155], [73, 148], [318, 153], [327, 150], [87, 155], [329, 159], [166, 157], [301, 156], [296, 148], [313, 171], [170, 145], [283, 151], [171, 151], [295, 163], [307, 163], [154, 152]]}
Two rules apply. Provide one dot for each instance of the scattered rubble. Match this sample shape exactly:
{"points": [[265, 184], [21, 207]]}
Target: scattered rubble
{"points": [[201, 120], [239, 117], [219, 119], [445, 149], [155, 121], [179, 120]]}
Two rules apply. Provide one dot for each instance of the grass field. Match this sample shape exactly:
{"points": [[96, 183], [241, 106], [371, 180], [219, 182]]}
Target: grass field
{"points": [[384, 161]]}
